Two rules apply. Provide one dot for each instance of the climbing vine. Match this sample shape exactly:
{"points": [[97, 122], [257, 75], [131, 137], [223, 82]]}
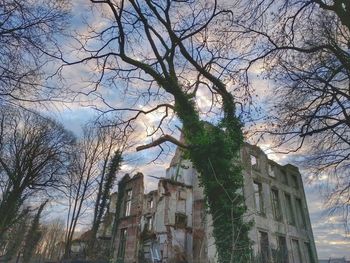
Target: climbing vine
{"points": [[214, 151], [171, 45], [118, 213]]}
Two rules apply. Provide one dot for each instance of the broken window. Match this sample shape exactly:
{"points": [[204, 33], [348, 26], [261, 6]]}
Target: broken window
{"points": [[128, 202], [181, 201], [296, 251], [271, 171], [122, 243], [276, 207], [150, 203], [258, 196], [149, 223], [254, 162], [180, 220], [300, 213], [294, 181], [290, 211], [155, 252], [264, 247], [284, 178], [281, 255]]}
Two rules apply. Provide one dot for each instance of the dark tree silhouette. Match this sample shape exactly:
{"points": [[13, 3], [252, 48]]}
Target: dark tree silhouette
{"points": [[34, 156], [28, 31], [88, 174], [162, 57], [104, 195], [12, 244]]}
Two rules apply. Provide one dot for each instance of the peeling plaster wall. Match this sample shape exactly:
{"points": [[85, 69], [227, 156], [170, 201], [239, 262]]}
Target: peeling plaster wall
{"points": [[175, 198]]}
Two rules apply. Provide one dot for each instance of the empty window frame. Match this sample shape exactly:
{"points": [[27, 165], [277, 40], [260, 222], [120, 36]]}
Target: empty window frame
{"points": [[122, 243], [264, 247], [258, 198], [300, 213], [155, 252], [281, 255], [290, 211], [254, 161], [297, 258], [294, 180], [150, 203], [180, 220], [276, 205], [271, 170], [128, 198], [149, 223], [283, 177]]}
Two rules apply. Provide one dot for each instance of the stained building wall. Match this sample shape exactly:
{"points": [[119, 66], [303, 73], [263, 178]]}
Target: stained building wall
{"points": [[294, 225], [128, 224], [175, 226]]}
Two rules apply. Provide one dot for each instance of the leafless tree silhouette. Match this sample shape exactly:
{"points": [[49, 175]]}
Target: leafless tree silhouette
{"points": [[29, 30], [34, 156], [162, 58], [303, 46]]}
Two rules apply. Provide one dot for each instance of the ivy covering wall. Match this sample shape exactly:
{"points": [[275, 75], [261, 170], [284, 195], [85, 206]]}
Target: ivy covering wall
{"points": [[214, 151]]}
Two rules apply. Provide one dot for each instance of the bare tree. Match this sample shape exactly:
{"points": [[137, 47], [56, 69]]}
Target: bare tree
{"points": [[89, 175], [83, 172], [304, 49], [53, 235], [34, 156], [28, 31], [163, 57]]}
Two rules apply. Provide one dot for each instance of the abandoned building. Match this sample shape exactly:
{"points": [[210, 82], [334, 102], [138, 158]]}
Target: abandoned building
{"points": [[170, 224]]}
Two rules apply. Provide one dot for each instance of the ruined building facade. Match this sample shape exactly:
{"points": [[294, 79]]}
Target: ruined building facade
{"points": [[170, 224]]}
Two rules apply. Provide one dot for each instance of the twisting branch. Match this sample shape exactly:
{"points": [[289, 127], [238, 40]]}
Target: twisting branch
{"points": [[165, 138]]}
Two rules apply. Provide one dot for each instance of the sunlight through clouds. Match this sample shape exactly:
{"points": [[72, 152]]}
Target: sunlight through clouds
{"points": [[329, 232]]}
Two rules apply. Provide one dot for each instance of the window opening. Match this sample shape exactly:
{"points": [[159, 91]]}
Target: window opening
{"points": [[128, 202]]}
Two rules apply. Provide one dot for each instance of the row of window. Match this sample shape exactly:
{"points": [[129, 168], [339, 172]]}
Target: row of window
{"points": [[298, 252], [274, 172], [291, 217]]}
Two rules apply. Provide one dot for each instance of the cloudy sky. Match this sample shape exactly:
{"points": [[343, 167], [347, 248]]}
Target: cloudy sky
{"points": [[330, 237], [329, 232]]}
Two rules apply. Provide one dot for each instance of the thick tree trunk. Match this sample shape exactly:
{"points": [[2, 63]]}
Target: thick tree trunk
{"points": [[214, 152]]}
